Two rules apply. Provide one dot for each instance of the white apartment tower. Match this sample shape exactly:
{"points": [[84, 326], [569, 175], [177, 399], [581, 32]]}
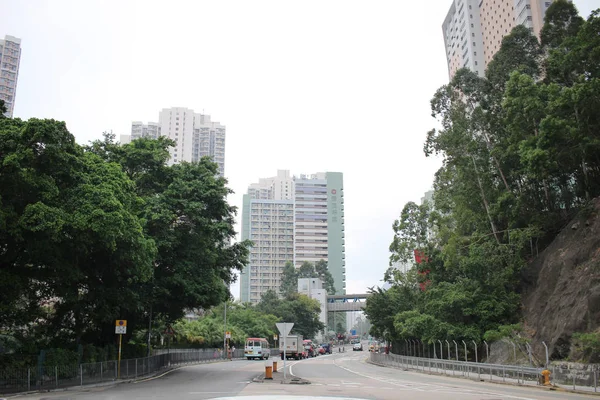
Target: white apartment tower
{"points": [[141, 130], [462, 37], [473, 29], [195, 135], [10, 58]]}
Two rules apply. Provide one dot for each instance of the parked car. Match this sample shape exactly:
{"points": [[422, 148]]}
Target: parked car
{"points": [[326, 348], [357, 347]]}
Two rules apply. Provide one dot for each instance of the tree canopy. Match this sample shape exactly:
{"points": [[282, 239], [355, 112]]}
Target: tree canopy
{"points": [[91, 234], [520, 156]]}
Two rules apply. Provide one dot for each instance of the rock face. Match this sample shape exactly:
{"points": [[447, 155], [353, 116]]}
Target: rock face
{"points": [[562, 286]]}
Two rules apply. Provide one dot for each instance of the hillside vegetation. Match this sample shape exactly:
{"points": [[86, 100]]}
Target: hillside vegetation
{"points": [[521, 156]]}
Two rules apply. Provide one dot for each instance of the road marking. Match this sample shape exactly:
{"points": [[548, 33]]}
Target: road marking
{"points": [[212, 392], [434, 387]]}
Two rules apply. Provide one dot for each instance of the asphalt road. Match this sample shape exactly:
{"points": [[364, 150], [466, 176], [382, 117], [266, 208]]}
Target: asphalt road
{"points": [[346, 374]]}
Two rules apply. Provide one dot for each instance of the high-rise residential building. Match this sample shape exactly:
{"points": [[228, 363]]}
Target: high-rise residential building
{"points": [[10, 58], [195, 135], [269, 224], [473, 29], [316, 229], [141, 130], [319, 224]]}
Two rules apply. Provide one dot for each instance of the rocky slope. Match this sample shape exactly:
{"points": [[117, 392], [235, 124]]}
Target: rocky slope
{"points": [[562, 286]]}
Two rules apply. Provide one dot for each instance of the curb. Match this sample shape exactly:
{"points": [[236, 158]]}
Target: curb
{"points": [[289, 381]]}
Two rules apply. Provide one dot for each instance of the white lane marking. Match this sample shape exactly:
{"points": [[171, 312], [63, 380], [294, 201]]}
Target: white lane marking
{"points": [[435, 387], [211, 392]]}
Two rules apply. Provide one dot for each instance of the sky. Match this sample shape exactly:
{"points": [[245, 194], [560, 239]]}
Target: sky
{"points": [[307, 86]]}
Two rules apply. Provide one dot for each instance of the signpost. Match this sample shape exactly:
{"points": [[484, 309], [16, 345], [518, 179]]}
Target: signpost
{"points": [[120, 329], [284, 330], [228, 351]]}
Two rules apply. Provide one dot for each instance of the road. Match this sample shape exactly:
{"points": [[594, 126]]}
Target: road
{"points": [[346, 374]]}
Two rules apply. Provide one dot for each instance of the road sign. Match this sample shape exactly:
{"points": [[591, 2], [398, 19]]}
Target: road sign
{"points": [[284, 328], [274, 337], [169, 330], [228, 335], [120, 326]]}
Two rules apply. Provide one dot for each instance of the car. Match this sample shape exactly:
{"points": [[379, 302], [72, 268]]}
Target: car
{"points": [[357, 347]]}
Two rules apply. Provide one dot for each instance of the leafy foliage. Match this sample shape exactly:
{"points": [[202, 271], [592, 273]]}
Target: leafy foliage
{"points": [[520, 156], [290, 276], [93, 234], [297, 308]]}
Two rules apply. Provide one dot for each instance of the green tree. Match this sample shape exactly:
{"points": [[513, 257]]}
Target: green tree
{"points": [[190, 220], [289, 280], [3, 109], [322, 272], [73, 241], [297, 308]]}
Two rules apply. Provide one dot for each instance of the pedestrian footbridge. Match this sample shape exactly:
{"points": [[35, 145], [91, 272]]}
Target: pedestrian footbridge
{"points": [[346, 302]]}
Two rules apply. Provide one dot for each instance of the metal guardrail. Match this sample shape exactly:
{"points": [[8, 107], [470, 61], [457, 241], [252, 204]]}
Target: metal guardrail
{"points": [[47, 378], [522, 375], [481, 371]]}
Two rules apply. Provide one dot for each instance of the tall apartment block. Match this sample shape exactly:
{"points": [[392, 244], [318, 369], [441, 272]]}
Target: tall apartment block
{"points": [[315, 231], [473, 29], [319, 225], [195, 135], [10, 57]]}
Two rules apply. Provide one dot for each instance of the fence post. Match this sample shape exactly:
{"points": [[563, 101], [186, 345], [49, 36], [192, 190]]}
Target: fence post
{"points": [[476, 361], [547, 359], [29, 379], [456, 349], [56, 375], [136, 362], [487, 352], [116, 369], [514, 350], [101, 371], [127, 368], [595, 380], [81, 374]]}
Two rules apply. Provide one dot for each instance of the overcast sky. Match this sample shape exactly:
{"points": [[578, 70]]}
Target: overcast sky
{"points": [[307, 86]]}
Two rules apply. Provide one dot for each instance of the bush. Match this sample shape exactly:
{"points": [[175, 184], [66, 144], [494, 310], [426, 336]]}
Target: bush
{"points": [[588, 346]]}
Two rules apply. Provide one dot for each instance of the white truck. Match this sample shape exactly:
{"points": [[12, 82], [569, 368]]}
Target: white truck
{"points": [[293, 347]]}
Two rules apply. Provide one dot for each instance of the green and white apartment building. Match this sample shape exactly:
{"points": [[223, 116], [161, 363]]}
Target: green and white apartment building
{"points": [[292, 218]]}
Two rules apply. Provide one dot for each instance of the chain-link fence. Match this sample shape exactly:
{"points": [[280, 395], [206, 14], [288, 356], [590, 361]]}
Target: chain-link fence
{"points": [[46, 378], [517, 374]]}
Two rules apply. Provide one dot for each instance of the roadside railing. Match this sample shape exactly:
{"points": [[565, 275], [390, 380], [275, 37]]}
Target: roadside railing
{"points": [[517, 374], [47, 378]]}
